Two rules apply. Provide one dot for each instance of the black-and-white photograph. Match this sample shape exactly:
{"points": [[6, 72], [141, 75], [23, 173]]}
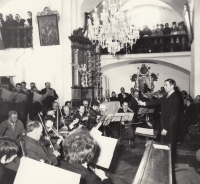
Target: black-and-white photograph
{"points": [[99, 92]]}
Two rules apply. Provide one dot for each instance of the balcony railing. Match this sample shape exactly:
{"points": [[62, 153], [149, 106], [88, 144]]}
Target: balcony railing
{"points": [[17, 37], [157, 44]]}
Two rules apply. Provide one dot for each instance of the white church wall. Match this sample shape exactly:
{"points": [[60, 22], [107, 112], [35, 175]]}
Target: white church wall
{"points": [[42, 63], [120, 77]]}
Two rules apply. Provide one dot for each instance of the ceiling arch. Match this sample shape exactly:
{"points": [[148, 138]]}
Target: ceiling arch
{"points": [[143, 61]]}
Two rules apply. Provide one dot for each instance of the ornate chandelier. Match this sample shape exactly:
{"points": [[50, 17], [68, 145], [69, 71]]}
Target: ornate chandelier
{"points": [[111, 31]]}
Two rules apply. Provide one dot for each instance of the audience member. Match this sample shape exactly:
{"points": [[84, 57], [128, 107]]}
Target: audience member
{"points": [[123, 97], [29, 20], [12, 127], [19, 22], [146, 31], [180, 30], [113, 97], [166, 30], [12, 22]]}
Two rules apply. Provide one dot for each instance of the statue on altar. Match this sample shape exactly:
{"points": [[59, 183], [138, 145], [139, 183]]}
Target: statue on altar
{"points": [[143, 79], [83, 71]]}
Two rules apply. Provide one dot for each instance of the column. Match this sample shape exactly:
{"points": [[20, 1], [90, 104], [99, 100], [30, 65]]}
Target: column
{"points": [[195, 74], [89, 61], [75, 67]]}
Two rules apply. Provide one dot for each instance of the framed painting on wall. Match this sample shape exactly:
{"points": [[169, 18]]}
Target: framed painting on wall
{"points": [[48, 30]]}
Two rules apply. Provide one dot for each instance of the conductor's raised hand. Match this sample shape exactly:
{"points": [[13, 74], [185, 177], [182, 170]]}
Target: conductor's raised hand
{"points": [[141, 103], [164, 132]]}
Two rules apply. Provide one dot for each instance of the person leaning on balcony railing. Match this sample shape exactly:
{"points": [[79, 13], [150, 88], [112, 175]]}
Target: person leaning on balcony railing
{"points": [[12, 22], [2, 22], [146, 31], [180, 30], [166, 30], [29, 20], [19, 21]]}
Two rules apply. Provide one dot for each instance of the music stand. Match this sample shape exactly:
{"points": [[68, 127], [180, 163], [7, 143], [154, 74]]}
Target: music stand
{"points": [[121, 117]]}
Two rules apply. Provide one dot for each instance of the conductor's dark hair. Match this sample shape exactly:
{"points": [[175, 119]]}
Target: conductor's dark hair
{"points": [[8, 147], [23, 83], [49, 117], [32, 83], [171, 82], [18, 84], [79, 147], [32, 125]]}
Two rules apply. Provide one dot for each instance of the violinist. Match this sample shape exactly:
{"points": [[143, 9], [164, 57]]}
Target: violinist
{"points": [[49, 122], [66, 119], [94, 114], [81, 116], [86, 105], [33, 147]]}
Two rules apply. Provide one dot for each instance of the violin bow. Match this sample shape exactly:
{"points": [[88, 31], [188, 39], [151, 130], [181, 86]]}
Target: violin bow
{"points": [[46, 132]]}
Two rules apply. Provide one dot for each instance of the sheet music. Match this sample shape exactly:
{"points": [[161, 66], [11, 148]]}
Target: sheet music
{"points": [[107, 147], [31, 171], [20, 97], [123, 117], [50, 92], [146, 131], [158, 146], [7, 95], [37, 97]]}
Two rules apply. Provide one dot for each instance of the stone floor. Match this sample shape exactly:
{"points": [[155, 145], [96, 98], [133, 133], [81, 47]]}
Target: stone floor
{"points": [[126, 160]]}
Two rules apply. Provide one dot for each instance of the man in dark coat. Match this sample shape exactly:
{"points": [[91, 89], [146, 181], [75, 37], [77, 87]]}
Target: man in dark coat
{"points": [[123, 97], [170, 103], [20, 106], [50, 97], [34, 148]]}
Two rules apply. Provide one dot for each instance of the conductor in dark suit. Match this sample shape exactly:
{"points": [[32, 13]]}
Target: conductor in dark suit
{"points": [[170, 103], [49, 98]]}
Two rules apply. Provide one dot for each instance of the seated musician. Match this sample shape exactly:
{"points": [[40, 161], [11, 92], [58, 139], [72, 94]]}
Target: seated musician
{"points": [[8, 162], [86, 105], [128, 129], [49, 121], [33, 147], [12, 127], [81, 116], [94, 114], [69, 104], [79, 150], [66, 118]]}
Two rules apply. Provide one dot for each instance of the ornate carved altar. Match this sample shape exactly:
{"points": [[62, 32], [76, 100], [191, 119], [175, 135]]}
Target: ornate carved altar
{"points": [[143, 79], [86, 68]]}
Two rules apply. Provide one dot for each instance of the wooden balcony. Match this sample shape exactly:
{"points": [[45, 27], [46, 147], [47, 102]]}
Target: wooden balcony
{"points": [[16, 37], [156, 44]]}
